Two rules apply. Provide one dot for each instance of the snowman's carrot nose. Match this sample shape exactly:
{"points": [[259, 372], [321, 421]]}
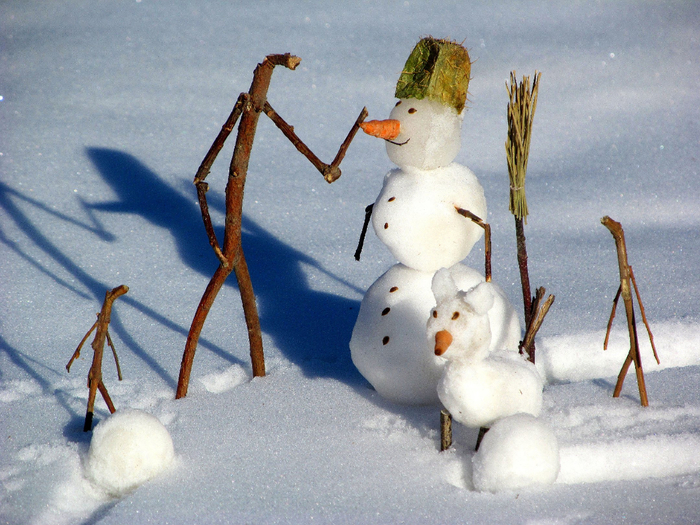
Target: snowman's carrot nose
{"points": [[384, 129], [443, 340]]}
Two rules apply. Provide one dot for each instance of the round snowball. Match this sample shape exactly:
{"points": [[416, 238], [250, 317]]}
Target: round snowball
{"points": [[127, 449], [519, 451]]}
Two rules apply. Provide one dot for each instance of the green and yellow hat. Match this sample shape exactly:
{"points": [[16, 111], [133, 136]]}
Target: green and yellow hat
{"points": [[437, 70]]}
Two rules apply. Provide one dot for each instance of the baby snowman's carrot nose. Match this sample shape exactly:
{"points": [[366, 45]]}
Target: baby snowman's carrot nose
{"points": [[384, 129], [443, 340]]}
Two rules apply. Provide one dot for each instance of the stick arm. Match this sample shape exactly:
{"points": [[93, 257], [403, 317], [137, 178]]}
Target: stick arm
{"points": [[331, 172]]}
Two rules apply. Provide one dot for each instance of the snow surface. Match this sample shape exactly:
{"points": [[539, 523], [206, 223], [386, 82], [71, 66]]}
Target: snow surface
{"points": [[106, 111]]}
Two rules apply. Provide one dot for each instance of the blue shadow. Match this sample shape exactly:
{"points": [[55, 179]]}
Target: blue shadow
{"points": [[311, 328]]}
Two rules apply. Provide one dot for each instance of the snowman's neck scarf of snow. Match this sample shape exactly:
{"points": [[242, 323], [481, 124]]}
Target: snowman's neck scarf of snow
{"points": [[430, 134]]}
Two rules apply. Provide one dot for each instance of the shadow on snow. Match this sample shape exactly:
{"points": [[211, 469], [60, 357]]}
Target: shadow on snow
{"points": [[311, 328]]}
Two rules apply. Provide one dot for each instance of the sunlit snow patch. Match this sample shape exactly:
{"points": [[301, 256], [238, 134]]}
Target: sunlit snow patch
{"points": [[226, 380]]}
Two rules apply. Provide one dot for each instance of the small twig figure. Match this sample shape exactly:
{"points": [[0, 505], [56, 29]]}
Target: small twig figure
{"points": [[95, 375], [625, 290], [248, 107]]}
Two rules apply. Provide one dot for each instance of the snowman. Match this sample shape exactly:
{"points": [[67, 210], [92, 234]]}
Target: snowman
{"points": [[415, 216]]}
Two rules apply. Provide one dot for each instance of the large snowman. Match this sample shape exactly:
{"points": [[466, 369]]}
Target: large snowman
{"points": [[415, 216]]}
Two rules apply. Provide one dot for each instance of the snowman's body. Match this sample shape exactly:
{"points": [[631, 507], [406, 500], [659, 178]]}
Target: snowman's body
{"points": [[415, 216]]}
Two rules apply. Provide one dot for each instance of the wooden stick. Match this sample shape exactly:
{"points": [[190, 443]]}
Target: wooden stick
{"points": [[633, 356], [539, 311], [114, 354], [205, 167], [231, 254], [612, 316], [330, 172], [644, 316], [487, 239], [95, 374], [480, 437], [524, 272], [445, 430], [202, 188], [361, 243], [348, 139], [76, 354]]}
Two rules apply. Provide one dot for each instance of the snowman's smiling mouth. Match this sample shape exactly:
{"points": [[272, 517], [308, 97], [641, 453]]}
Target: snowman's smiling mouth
{"points": [[398, 143]]}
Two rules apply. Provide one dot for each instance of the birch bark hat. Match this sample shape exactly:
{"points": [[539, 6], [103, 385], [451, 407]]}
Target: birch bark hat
{"points": [[438, 70]]}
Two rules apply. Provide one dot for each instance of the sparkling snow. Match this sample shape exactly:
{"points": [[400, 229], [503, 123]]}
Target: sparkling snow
{"points": [[109, 107]]}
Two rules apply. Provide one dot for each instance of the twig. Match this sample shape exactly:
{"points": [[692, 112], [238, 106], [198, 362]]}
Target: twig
{"points": [[612, 316], [487, 239], [445, 430], [480, 437], [95, 374], [76, 354], [346, 143], [361, 243], [202, 188], [626, 276], [114, 354], [537, 315], [644, 316], [248, 107]]}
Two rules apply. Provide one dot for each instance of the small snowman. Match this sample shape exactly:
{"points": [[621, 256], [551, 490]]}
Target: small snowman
{"points": [[415, 216], [481, 382], [484, 386]]}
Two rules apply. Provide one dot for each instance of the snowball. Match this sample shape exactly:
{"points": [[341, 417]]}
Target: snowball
{"points": [[430, 134], [517, 452], [415, 217], [127, 449], [477, 393]]}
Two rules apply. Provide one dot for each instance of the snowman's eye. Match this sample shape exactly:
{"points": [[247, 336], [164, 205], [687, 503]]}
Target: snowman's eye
{"points": [[399, 102], [412, 111], [435, 314], [455, 315]]}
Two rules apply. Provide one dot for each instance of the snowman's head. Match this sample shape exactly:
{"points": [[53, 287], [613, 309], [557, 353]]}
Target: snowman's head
{"points": [[422, 134], [430, 134], [459, 326]]}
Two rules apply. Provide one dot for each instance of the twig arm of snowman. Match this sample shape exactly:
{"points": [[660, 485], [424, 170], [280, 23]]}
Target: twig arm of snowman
{"points": [[330, 172], [361, 242], [487, 239]]}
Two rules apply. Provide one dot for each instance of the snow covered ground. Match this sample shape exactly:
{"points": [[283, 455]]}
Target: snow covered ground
{"points": [[107, 109]]}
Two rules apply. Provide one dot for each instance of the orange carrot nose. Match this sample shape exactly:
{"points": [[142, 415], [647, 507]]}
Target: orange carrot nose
{"points": [[443, 340], [384, 129]]}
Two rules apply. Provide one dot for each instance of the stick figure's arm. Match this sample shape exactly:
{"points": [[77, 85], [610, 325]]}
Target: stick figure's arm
{"points": [[330, 172], [205, 167]]}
